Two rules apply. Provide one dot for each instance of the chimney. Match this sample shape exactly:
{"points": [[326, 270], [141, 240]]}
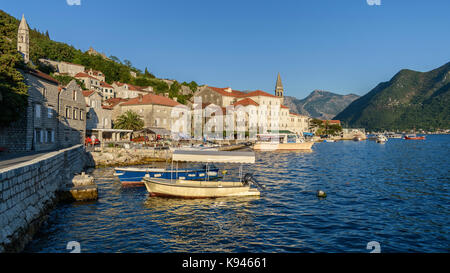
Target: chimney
{"points": [[228, 89], [175, 99], [140, 97]]}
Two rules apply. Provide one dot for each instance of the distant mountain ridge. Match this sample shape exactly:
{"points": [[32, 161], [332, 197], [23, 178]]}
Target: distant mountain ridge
{"points": [[410, 100], [320, 104]]}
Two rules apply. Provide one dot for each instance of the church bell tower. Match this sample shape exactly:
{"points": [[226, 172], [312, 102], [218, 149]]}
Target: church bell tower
{"points": [[23, 40], [279, 87]]}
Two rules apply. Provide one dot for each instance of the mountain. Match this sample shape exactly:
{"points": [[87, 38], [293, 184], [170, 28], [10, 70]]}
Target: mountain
{"points": [[411, 99], [320, 104]]}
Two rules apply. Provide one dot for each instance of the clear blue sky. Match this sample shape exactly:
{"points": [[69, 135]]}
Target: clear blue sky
{"points": [[344, 46]]}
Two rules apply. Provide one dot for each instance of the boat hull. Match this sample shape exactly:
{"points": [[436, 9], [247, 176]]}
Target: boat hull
{"points": [[197, 189], [133, 176], [283, 146], [415, 138]]}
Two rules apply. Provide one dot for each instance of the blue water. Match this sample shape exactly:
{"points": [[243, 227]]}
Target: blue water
{"points": [[395, 193]]}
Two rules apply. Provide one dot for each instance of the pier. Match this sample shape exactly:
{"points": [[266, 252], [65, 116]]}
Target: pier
{"points": [[28, 191]]}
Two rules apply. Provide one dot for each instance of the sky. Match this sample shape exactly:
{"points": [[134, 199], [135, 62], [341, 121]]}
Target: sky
{"points": [[342, 46]]}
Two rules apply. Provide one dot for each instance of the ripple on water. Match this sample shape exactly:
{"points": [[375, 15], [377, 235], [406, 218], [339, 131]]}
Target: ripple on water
{"points": [[396, 194]]}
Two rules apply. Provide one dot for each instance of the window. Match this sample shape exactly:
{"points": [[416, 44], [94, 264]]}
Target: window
{"points": [[49, 112], [67, 112], [81, 115], [37, 135], [74, 95], [38, 110], [52, 136], [75, 113]]}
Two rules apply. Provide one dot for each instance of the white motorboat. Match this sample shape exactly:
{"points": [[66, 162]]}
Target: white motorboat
{"points": [[281, 141], [205, 188], [381, 139]]}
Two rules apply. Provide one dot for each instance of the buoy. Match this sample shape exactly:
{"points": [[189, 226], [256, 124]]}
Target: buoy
{"points": [[321, 194]]}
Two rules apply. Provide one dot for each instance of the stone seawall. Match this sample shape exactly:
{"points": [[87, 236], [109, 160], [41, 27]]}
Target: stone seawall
{"points": [[28, 193]]}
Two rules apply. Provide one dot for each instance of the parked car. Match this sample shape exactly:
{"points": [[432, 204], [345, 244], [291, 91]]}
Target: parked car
{"points": [[140, 139], [89, 140]]}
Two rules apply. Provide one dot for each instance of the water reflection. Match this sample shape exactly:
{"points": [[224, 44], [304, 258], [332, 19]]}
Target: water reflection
{"points": [[396, 194]]}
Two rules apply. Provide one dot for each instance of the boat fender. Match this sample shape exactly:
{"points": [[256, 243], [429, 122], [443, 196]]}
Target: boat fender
{"points": [[321, 194]]}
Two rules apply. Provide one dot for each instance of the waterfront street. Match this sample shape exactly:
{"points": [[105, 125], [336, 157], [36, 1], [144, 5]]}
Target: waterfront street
{"points": [[12, 159]]}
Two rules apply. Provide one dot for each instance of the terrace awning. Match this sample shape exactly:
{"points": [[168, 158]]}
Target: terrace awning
{"points": [[213, 156], [156, 131]]}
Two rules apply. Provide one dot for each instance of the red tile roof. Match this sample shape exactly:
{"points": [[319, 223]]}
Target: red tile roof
{"points": [[259, 93], [233, 93], [295, 114], [104, 84], [84, 75], [111, 102], [87, 93], [284, 106], [151, 99], [332, 121], [132, 87], [42, 75], [245, 102], [240, 94]]}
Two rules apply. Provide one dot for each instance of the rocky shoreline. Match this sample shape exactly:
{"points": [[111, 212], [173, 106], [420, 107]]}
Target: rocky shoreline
{"points": [[112, 157]]}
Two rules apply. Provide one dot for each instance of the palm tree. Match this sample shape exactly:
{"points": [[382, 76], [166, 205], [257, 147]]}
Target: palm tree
{"points": [[129, 121]]}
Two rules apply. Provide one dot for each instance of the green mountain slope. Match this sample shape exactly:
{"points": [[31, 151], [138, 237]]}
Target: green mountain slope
{"points": [[320, 104], [411, 99]]}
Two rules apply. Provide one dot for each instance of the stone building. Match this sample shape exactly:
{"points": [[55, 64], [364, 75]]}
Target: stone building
{"points": [[298, 123], [261, 109], [155, 110], [90, 82], [113, 104], [108, 91], [93, 52], [54, 117], [37, 129], [72, 115], [97, 117], [65, 68], [129, 91], [96, 74]]}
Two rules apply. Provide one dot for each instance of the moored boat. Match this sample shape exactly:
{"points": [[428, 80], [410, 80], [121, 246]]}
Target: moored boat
{"points": [[134, 175], [381, 139], [281, 142], [414, 137], [204, 188]]}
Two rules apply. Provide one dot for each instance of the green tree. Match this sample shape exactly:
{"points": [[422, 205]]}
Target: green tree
{"points": [[13, 90], [129, 121]]}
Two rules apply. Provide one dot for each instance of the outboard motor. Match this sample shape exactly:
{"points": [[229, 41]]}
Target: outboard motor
{"points": [[249, 179]]}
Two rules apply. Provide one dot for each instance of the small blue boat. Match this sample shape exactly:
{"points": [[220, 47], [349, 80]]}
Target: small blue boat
{"points": [[133, 175]]}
